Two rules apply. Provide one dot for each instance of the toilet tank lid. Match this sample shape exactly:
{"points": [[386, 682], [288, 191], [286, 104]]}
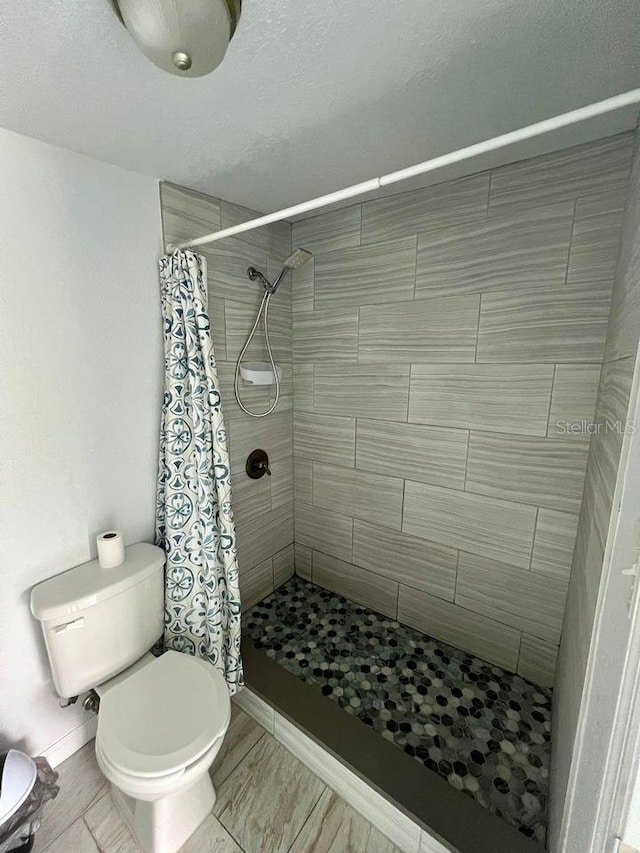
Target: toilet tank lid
{"points": [[87, 584]]}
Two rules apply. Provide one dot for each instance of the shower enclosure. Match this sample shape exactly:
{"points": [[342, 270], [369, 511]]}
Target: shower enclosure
{"points": [[445, 356]]}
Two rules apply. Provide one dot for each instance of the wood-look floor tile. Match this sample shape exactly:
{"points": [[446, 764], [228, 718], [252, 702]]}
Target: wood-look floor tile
{"points": [[81, 783], [108, 828], [266, 800], [242, 735], [334, 827], [75, 839], [211, 837]]}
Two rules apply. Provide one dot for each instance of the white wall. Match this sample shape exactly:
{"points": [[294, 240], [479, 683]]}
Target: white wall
{"points": [[80, 393]]}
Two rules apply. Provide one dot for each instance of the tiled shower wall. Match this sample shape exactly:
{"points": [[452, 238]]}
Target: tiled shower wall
{"points": [[263, 508], [443, 341], [600, 483]]}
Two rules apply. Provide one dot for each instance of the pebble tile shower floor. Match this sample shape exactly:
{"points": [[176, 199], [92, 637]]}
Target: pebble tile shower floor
{"points": [[483, 729]]}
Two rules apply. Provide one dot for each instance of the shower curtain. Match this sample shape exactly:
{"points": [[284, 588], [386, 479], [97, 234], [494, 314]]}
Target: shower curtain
{"points": [[194, 519]]}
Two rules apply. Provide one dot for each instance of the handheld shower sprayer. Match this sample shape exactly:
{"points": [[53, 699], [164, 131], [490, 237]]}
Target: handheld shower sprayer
{"points": [[295, 260]]}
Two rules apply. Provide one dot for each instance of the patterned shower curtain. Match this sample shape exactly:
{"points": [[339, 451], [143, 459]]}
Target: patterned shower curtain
{"points": [[194, 520]]}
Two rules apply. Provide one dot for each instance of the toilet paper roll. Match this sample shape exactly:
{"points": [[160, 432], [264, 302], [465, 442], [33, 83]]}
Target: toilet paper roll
{"points": [[110, 549]]}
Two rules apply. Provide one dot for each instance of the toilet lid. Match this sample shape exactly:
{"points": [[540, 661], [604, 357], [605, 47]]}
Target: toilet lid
{"points": [[164, 716]]}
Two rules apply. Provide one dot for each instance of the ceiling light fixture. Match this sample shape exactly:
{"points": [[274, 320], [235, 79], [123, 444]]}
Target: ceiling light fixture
{"points": [[188, 38]]}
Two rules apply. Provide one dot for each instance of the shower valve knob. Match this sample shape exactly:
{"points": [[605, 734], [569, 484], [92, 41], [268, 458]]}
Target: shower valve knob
{"points": [[257, 464]]}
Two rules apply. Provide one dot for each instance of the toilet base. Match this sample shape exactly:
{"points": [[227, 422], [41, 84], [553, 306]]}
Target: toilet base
{"points": [[164, 825]]}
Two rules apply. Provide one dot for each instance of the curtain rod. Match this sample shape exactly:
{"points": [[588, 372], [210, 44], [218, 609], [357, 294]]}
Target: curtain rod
{"points": [[564, 120]]}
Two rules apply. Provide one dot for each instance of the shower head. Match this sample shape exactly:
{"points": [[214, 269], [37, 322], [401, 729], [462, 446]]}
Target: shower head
{"points": [[297, 258]]}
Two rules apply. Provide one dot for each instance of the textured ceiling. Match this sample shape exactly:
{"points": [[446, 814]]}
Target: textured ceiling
{"points": [[313, 94]]}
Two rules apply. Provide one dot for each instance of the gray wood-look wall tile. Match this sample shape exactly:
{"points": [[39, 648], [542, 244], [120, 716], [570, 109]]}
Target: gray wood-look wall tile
{"points": [[494, 528], [373, 590], [409, 213], [528, 246], [303, 560], [573, 400], [251, 498], [371, 497], [443, 330], [303, 479], [323, 530], [227, 263], [302, 287], [255, 583], [275, 237], [537, 660], [524, 600], [330, 335], [545, 324], [414, 561], [267, 534], [553, 543], [375, 390], [272, 434], [240, 316], [427, 454], [366, 275], [337, 229], [325, 438], [504, 398], [462, 628], [625, 307], [283, 566], [303, 387], [187, 214], [545, 472], [596, 237], [570, 173]]}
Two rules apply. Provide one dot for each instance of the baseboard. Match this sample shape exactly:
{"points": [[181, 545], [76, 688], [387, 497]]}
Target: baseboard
{"points": [[74, 740]]}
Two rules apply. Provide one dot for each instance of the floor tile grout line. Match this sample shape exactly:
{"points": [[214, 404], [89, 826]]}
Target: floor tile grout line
{"points": [[313, 808]]}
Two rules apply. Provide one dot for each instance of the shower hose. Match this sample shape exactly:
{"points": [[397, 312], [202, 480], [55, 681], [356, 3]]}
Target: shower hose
{"points": [[264, 309]]}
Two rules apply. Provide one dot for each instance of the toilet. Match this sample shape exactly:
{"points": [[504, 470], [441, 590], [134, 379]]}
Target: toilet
{"points": [[161, 720]]}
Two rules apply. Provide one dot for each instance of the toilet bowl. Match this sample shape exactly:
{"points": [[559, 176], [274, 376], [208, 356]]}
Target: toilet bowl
{"points": [[159, 730], [161, 720]]}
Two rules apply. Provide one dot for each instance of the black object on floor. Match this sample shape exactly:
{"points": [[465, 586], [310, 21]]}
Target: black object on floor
{"points": [[484, 730]]}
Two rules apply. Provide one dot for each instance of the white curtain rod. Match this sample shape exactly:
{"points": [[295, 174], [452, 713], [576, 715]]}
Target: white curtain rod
{"points": [[590, 111]]}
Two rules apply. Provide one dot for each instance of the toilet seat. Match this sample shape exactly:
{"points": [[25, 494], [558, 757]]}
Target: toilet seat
{"points": [[163, 717]]}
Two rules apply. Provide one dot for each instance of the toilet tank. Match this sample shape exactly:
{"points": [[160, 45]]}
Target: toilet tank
{"points": [[97, 622]]}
